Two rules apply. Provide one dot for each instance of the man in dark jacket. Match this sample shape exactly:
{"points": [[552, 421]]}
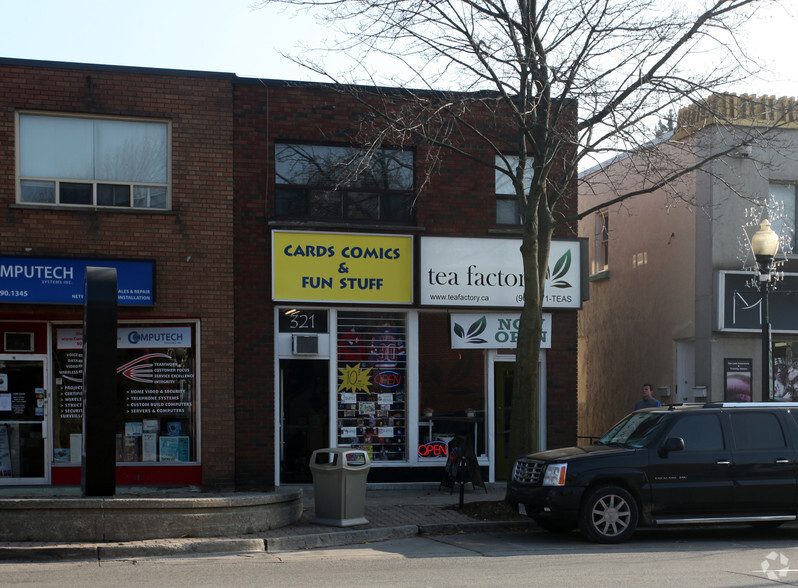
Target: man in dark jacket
{"points": [[647, 401]]}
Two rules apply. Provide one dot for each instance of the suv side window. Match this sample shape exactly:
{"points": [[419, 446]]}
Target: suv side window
{"points": [[701, 432], [757, 430]]}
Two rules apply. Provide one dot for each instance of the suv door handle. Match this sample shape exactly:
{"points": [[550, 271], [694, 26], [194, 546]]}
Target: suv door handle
{"points": [[782, 461], [723, 462]]}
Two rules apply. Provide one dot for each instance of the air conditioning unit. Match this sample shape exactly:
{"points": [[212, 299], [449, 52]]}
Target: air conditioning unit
{"points": [[664, 391], [18, 342], [305, 344]]}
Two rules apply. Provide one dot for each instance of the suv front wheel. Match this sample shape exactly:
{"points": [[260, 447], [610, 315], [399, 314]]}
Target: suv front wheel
{"points": [[609, 514]]}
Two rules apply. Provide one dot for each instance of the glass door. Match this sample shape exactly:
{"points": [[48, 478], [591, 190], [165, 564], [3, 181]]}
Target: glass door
{"points": [[23, 420], [504, 372], [305, 416]]}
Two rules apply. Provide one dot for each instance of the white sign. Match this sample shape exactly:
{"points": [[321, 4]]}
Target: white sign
{"points": [[131, 338], [489, 272], [492, 330]]}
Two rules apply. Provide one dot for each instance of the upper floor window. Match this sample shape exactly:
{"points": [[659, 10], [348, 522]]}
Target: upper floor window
{"points": [[508, 211], [783, 220], [343, 183], [71, 160], [602, 241]]}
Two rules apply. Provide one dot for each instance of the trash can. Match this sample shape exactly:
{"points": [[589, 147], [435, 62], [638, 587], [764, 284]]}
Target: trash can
{"points": [[339, 486]]}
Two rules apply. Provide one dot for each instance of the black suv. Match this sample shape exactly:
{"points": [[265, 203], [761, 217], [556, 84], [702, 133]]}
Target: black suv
{"points": [[711, 463]]}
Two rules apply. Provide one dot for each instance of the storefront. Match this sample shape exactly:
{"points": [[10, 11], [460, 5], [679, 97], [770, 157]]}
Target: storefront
{"points": [[41, 380], [740, 311], [361, 365]]}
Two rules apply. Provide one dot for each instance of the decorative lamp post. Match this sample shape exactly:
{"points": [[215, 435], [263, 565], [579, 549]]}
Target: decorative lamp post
{"points": [[765, 244]]}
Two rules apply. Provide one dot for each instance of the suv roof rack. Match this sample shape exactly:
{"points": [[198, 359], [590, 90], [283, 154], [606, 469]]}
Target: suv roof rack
{"points": [[749, 404]]}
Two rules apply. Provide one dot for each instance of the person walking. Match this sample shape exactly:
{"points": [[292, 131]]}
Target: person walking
{"points": [[647, 401]]}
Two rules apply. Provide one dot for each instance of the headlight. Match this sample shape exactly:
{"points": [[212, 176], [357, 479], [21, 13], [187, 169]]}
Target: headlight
{"points": [[555, 474]]}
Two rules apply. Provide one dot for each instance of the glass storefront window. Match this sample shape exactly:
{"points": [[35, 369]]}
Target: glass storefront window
{"points": [[371, 387], [22, 417], [156, 394], [785, 371], [452, 398]]}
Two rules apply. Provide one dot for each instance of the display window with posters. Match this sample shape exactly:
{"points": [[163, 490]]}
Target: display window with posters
{"points": [[371, 390], [785, 370], [157, 374]]}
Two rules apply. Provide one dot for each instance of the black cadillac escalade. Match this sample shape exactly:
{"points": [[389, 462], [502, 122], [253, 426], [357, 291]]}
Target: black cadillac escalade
{"points": [[711, 463]]}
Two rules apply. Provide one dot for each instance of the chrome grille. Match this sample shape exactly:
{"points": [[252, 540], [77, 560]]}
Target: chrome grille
{"points": [[528, 472]]}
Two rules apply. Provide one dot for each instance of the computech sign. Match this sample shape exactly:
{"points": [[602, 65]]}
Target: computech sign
{"points": [[492, 330], [489, 272], [37, 280]]}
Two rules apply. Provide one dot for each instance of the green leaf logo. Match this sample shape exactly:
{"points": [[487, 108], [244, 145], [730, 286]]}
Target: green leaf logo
{"points": [[561, 268], [474, 330]]}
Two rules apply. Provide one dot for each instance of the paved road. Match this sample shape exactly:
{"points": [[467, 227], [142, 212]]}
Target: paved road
{"points": [[697, 557]]}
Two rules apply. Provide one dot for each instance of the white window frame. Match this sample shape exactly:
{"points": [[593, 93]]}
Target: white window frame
{"points": [[783, 219], [503, 186], [138, 191], [601, 261]]}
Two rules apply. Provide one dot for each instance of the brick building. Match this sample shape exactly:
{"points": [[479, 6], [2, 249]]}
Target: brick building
{"points": [[163, 218], [399, 402], [266, 309]]}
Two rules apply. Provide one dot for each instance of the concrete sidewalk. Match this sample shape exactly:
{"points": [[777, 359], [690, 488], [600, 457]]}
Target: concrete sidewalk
{"points": [[393, 511]]}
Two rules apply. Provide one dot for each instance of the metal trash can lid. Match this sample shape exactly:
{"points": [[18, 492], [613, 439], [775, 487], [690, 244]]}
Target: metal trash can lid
{"points": [[340, 458]]}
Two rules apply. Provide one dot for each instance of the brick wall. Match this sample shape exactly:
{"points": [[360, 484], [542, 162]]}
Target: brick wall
{"points": [[459, 200], [198, 227]]}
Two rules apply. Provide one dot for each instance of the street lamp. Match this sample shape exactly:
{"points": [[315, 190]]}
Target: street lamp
{"points": [[765, 244]]}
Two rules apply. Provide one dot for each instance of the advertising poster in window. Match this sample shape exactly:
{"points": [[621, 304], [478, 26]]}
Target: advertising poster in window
{"points": [[372, 370], [156, 388], [785, 371], [738, 379]]}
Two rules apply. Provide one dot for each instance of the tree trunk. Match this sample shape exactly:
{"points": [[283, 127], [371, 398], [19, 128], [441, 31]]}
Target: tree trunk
{"points": [[526, 415]]}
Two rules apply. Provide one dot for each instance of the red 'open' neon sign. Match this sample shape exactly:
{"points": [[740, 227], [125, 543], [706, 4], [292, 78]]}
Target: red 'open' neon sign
{"points": [[433, 449]]}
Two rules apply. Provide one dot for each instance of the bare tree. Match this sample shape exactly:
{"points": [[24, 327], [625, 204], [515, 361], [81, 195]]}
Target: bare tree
{"points": [[564, 82]]}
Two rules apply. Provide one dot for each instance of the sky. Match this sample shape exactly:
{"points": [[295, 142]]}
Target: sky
{"points": [[229, 36]]}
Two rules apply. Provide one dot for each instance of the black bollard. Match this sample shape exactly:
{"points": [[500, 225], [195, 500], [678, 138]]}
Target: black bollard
{"points": [[100, 296]]}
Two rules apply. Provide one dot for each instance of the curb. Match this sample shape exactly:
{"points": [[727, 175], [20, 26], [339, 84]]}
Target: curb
{"points": [[189, 547], [129, 550], [200, 547], [339, 538], [43, 554], [477, 527]]}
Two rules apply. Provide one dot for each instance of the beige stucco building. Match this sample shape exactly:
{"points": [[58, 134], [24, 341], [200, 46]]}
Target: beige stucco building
{"points": [[668, 302]]}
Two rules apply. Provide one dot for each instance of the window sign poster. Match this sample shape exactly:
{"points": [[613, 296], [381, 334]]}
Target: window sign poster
{"points": [[737, 379], [149, 447], [156, 384], [174, 449], [372, 371]]}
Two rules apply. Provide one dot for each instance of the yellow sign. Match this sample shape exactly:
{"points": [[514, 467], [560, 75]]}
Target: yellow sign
{"points": [[354, 378], [342, 267]]}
